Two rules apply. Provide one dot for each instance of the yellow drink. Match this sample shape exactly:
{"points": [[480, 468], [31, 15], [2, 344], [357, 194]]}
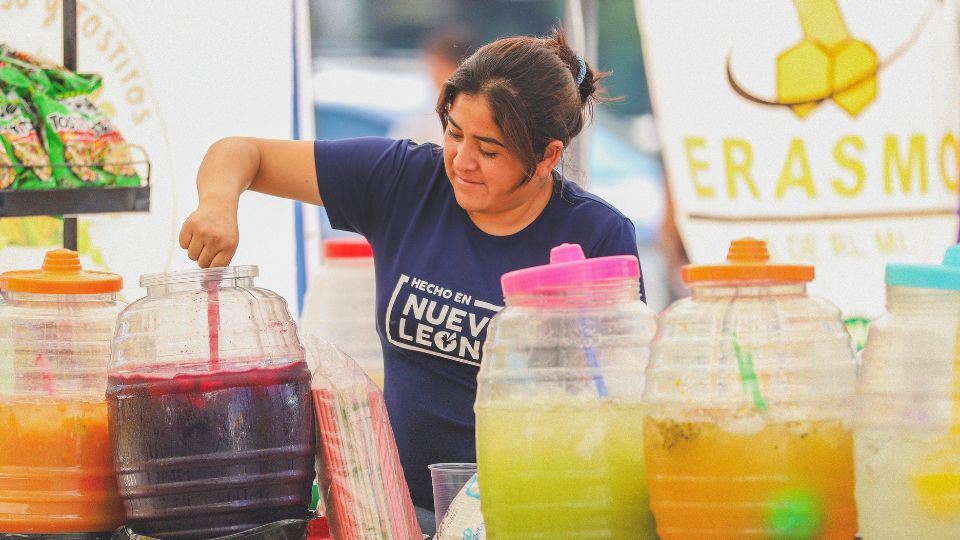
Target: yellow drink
{"points": [[563, 470], [56, 467], [908, 485], [786, 480]]}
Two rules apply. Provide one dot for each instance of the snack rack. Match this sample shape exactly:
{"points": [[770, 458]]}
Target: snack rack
{"points": [[73, 202]]}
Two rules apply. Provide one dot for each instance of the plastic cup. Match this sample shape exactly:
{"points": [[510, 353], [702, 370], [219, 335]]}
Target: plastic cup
{"points": [[448, 479]]}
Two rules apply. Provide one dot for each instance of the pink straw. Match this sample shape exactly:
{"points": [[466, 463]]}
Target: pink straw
{"points": [[351, 465], [45, 373], [331, 446], [213, 323], [400, 508]]}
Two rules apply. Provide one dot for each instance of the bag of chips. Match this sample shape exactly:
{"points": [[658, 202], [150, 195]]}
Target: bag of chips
{"points": [[63, 80], [110, 151], [77, 132], [99, 143], [70, 140], [23, 161], [33, 60]]}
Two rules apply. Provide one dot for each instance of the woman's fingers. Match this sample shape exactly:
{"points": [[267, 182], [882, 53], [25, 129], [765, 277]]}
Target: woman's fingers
{"points": [[195, 248], [212, 252], [186, 234], [206, 256], [210, 236], [221, 259]]}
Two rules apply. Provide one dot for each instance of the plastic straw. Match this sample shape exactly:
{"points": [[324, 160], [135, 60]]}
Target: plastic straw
{"points": [[748, 376], [331, 451], [360, 475], [213, 322], [354, 419], [592, 360], [363, 435], [45, 373], [400, 516]]}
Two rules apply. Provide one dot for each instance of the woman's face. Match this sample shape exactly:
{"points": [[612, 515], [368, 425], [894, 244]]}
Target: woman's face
{"points": [[486, 178]]}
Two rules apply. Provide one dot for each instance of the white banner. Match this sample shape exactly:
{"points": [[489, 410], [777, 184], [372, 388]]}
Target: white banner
{"points": [[827, 127], [177, 76]]}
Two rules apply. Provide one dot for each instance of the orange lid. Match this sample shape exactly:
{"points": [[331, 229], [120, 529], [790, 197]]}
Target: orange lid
{"points": [[61, 274], [747, 260]]}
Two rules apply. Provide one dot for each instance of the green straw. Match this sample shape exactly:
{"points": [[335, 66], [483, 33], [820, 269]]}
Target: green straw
{"points": [[747, 375], [857, 327]]}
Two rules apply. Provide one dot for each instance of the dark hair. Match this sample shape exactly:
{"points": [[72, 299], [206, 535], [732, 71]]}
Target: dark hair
{"points": [[530, 85]]}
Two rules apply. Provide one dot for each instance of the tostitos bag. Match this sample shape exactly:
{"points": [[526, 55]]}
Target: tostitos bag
{"points": [[23, 161], [77, 132]]}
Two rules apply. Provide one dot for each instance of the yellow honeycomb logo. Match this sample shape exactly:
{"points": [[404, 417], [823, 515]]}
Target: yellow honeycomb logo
{"points": [[828, 63]]}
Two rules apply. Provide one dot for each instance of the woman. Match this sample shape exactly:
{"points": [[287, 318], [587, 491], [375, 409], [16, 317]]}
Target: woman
{"points": [[444, 222]]}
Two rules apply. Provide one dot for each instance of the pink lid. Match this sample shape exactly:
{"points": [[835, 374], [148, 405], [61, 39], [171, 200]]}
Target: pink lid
{"points": [[569, 268]]}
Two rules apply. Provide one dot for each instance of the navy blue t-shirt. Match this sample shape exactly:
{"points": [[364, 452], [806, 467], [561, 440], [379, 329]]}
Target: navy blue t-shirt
{"points": [[438, 281]]}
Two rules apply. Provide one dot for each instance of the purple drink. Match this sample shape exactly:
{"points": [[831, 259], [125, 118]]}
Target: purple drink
{"points": [[200, 455]]}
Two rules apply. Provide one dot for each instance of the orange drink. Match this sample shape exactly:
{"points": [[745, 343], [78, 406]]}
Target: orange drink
{"points": [[751, 480], [749, 428], [56, 469], [56, 465]]}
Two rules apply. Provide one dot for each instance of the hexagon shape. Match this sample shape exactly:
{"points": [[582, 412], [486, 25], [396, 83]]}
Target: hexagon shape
{"points": [[804, 76], [854, 74]]}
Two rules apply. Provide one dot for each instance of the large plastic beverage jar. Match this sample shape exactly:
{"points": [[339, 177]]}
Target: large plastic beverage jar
{"points": [[749, 406], [210, 408], [340, 304], [559, 412], [56, 473], [907, 437]]}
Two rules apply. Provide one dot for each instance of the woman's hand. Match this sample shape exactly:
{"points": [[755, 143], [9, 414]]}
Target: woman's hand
{"points": [[231, 166], [210, 234]]}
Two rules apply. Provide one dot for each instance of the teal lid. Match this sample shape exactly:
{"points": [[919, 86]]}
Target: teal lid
{"points": [[944, 276]]}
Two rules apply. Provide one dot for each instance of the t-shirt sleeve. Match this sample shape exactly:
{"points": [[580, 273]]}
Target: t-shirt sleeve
{"points": [[620, 239], [359, 180]]}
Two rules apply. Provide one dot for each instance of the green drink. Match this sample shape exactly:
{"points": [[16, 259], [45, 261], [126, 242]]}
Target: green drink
{"points": [[563, 469]]}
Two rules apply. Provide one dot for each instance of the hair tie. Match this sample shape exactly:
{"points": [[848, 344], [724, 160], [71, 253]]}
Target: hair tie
{"points": [[582, 74]]}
